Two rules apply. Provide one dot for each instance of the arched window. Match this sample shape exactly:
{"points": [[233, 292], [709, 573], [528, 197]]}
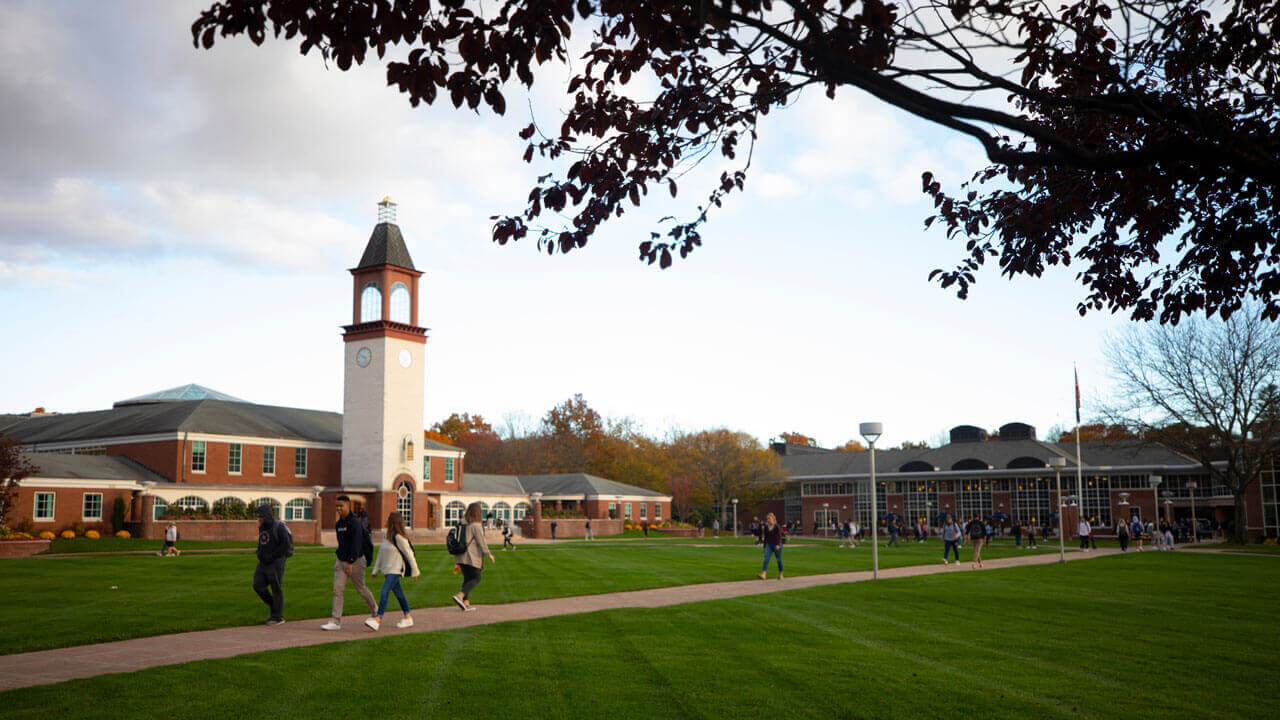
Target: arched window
{"points": [[298, 509], [453, 513], [400, 303], [191, 502], [502, 511], [370, 303], [157, 508], [275, 505], [522, 509], [484, 510], [404, 503], [232, 508]]}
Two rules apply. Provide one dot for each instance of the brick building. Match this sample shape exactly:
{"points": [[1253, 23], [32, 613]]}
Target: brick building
{"points": [[1010, 476], [192, 447]]}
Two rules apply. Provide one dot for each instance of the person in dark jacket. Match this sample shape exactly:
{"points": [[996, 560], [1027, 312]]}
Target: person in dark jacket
{"points": [[772, 535], [275, 545], [978, 534], [351, 562]]}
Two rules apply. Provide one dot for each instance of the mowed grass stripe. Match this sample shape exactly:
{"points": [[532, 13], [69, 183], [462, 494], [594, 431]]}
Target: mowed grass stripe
{"points": [[70, 601], [1074, 640]]}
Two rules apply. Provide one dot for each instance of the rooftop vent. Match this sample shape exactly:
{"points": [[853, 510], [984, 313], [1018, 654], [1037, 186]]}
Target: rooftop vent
{"points": [[968, 434], [1017, 431]]}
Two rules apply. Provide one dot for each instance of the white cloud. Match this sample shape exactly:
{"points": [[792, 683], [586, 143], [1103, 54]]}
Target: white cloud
{"points": [[774, 185]]}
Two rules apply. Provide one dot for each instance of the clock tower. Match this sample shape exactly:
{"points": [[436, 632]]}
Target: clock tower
{"points": [[383, 367]]}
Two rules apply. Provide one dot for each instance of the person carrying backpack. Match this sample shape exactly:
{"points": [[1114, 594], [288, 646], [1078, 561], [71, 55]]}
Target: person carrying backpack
{"points": [[354, 551], [275, 545], [466, 544], [395, 560]]}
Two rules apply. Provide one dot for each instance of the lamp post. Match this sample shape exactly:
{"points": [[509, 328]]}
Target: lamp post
{"points": [[1155, 481], [735, 517], [826, 520], [871, 432], [1057, 463], [1191, 485]]}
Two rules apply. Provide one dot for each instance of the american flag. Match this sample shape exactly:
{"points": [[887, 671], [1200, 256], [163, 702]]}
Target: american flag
{"points": [[1077, 374]]}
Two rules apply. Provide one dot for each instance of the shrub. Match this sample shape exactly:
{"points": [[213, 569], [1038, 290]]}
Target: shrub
{"points": [[124, 534], [92, 535], [77, 528], [67, 534], [27, 526], [47, 535]]}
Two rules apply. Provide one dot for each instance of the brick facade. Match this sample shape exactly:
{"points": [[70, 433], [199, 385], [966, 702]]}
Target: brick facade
{"points": [[68, 507]]}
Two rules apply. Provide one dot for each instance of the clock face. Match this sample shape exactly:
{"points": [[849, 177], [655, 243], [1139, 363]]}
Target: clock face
{"points": [[405, 358], [363, 357]]}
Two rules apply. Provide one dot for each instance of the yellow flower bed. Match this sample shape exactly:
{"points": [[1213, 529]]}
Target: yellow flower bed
{"points": [[92, 535], [47, 535], [124, 534], [68, 535]]}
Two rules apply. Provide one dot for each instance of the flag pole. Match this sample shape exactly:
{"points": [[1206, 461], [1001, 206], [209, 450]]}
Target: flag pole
{"points": [[1079, 468]]}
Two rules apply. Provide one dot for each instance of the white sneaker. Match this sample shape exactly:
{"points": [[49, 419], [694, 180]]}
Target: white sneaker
{"points": [[331, 625], [405, 622], [373, 623]]}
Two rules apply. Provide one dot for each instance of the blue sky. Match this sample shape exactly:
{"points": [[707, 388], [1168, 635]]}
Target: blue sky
{"points": [[169, 215]]}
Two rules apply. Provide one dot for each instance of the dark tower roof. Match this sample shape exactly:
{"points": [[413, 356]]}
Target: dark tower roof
{"points": [[386, 247]]}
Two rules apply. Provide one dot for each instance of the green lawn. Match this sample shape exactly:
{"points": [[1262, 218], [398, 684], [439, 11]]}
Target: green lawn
{"points": [[1154, 635], [115, 544], [95, 598]]}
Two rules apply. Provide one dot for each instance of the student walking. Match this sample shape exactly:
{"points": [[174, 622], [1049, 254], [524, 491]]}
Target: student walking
{"points": [[1017, 534], [1031, 535], [507, 533], [1122, 534], [589, 535], [1137, 531], [554, 524], [170, 541], [351, 562], [275, 545], [893, 534], [771, 533], [395, 560], [951, 533], [978, 534], [1084, 530], [472, 558], [715, 528]]}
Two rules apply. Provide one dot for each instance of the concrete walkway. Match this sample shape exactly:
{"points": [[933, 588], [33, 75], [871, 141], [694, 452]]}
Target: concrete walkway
{"points": [[45, 667]]}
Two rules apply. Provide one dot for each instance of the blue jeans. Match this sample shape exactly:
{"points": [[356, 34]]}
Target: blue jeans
{"points": [[948, 546], [391, 584], [775, 550]]}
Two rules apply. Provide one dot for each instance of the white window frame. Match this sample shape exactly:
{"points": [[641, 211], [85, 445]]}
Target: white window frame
{"points": [[400, 303], [204, 456], [521, 510], [626, 511], [300, 458], [295, 510], [268, 450], [235, 451], [644, 511], [449, 468], [371, 302], [426, 468], [657, 511], [453, 512], [35, 506], [84, 506]]}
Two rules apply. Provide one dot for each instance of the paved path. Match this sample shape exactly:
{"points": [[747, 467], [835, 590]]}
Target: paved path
{"points": [[45, 667]]}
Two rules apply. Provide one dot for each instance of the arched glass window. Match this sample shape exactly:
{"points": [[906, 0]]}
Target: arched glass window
{"points": [[158, 506], [522, 509], [404, 503], [453, 513], [298, 509], [370, 303], [400, 303], [191, 502], [275, 505], [502, 511]]}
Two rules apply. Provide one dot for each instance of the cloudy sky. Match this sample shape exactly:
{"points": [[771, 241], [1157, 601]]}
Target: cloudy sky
{"points": [[172, 215]]}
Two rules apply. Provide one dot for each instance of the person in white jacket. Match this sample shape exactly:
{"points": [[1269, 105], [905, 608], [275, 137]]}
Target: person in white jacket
{"points": [[1085, 530], [395, 560]]}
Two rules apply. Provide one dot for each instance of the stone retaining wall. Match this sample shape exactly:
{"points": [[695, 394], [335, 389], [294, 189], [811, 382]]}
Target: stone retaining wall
{"points": [[304, 531], [568, 527], [22, 548]]}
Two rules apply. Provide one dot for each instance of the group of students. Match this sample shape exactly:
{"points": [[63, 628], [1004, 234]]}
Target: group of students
{"points": [[395, 560], [1138, 532]]}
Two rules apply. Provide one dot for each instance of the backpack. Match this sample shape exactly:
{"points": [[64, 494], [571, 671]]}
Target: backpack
{"points": [[367, 548], [408, 566], [455, 543], [288, 537]]}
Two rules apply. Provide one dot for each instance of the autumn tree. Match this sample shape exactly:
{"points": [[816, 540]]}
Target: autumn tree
{"points": [[1135, 138], [14, 467], [681, 491], [851, 446], [914, 445], [795, 438], [1206, 389], [473, 434], [723, 464], [1098, 432]]}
